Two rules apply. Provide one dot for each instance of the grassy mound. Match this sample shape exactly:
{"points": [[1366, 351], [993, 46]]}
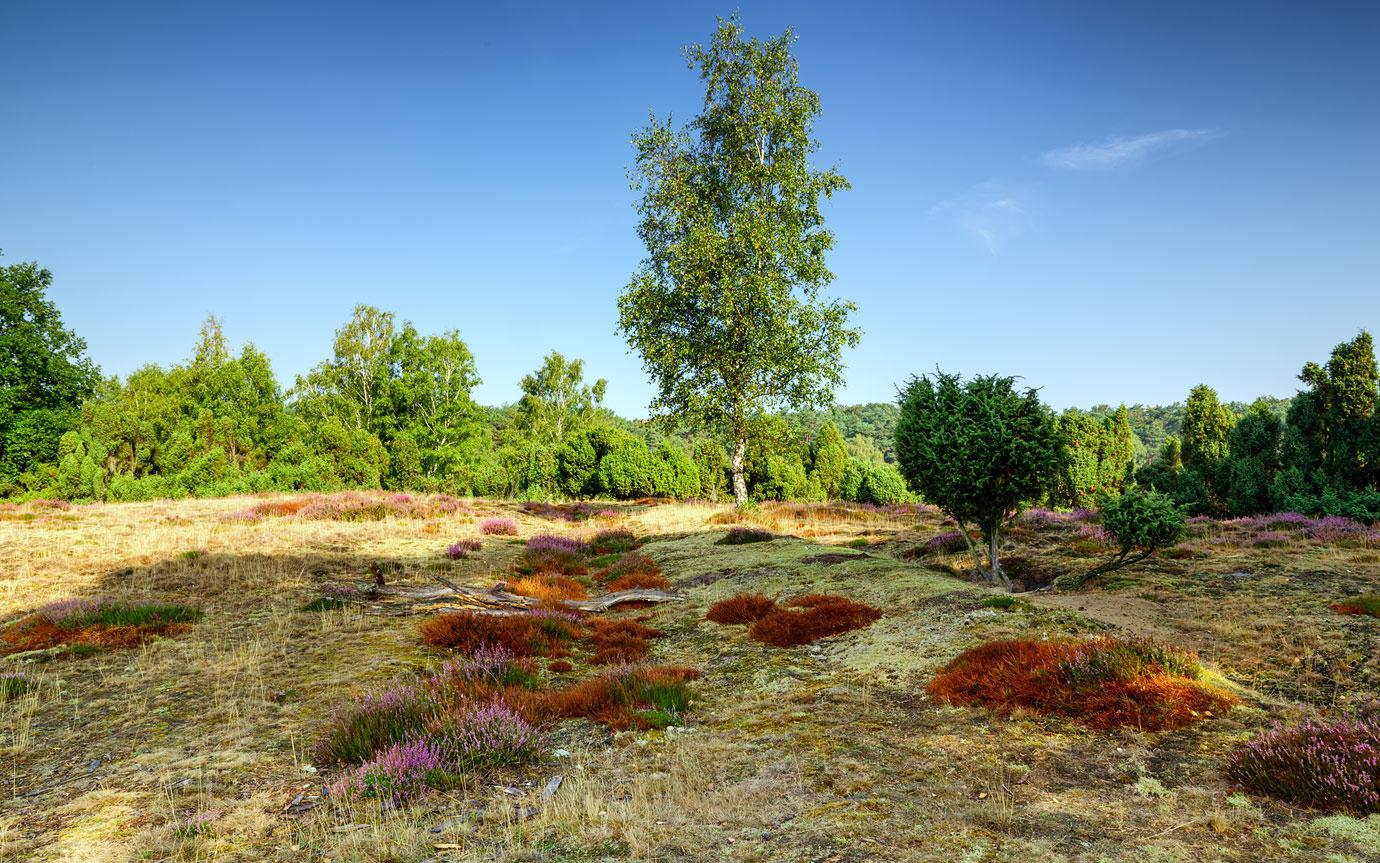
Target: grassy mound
{"points": [[1103, 682]]}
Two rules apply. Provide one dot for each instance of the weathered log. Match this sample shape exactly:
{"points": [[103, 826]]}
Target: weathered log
{"points": [[397, 599]]}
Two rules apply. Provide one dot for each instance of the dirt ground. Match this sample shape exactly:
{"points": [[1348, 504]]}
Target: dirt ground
{"points": [[825, 753]]}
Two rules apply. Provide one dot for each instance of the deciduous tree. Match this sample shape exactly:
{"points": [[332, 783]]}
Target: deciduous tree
{"points": [[725, 310]]}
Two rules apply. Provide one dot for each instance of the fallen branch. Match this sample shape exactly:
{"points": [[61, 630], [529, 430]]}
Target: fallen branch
{"points": [[398, 599]]}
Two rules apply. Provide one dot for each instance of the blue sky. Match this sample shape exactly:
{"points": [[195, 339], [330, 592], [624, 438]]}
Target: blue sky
{"points": [[1115, 201]]}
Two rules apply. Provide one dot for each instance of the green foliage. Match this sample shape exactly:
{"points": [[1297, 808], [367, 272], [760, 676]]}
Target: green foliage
{"points": [[1143, 522], [978, 450], [44, 373], [577, 462], [828, 460], [1097, 454], [625, 469], [555, 402], [712, 463], [404, 463], [1334, 437], [1206, 429], [673, 473], [725, 309], [1253, 463], [772, 466]]}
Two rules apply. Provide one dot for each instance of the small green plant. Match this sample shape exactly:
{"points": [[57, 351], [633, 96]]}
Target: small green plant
{"points": [[1005, 603], [191, 555], [1142, 523], [860, 542], [283, 696], [14, 685]]}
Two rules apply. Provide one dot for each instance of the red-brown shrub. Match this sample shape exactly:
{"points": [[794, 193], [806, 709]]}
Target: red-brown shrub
{"points": [[548, 587], [619, 641], [639, 580], [523, 635], [618, 697], [741, 608], [823, 616], [1040, 676], [560, 666]]}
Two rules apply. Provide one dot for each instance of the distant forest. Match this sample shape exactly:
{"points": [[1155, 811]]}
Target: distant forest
{"points": [[391, 409]]}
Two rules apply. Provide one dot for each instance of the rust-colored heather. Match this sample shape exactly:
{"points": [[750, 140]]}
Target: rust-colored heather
{"points": [[1004, 675], [639, 581], [612, 698], [632, 563], [823, 616], [521, 634], [560, 666], [43, 634], [619, 641], [551, 562], [549, 587], [741, 608]]}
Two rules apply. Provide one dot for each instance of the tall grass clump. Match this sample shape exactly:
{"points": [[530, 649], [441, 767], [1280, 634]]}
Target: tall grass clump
{"points": [[629, 696], [614, 541], [1103, 682], [1318, 764], [742, 535], [75, 614], [14, 685]]}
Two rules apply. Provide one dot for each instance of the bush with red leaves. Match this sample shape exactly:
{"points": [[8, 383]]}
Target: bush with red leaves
{"points": [[821, 616], [1102, 682], [741, 608]]}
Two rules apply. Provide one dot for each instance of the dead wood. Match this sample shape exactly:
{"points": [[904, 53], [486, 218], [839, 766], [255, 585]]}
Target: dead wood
{"points": [[399, 599]]}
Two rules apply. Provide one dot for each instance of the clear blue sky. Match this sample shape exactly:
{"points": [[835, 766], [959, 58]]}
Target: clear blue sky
{"points": [[1114, 200]]}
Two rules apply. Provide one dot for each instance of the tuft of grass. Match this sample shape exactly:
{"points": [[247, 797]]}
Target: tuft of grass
{"points": [[14, 685], [615, 541], [549, 587], [742, 535], [860, 542], [1005, 603], [623, 696], [1368, 605]]}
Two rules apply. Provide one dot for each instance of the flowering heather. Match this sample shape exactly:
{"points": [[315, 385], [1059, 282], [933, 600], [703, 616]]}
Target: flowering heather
{"points": [[1096, 533], [1083, 515], [74, 614], [617, 541], [1039, 518], [950, 542], [397, 774], [462, 548], [1327, 765], [199, 823], [489, 736], [552, 542], [493, 664], [1270, 539], [572, 512], [498, 527], [376, 718]]}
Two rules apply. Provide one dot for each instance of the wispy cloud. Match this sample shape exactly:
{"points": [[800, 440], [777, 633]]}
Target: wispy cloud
{"points": [[1117, 150], [990, 212]]}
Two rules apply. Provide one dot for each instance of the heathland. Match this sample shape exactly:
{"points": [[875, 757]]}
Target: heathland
{"points": [[210, 734]]}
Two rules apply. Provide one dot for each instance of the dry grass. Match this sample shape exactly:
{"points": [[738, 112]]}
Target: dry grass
{"points": [[833, 749]]}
